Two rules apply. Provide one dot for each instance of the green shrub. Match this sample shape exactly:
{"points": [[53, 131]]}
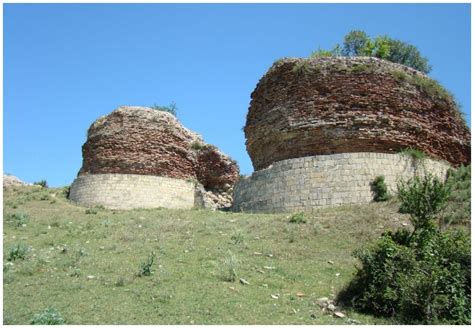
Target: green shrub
{"points": [[417, 156], [420, 276], [171, 108], [49, 316], [302, 67], [42, 183], [363, 68], [379, 188], [196, 145], [358, 43], [94, 210], [321, 53], [414, 153], [18, 219], [298, 218], [237, 237], [423, 198], [229, 267], [458, 210], [144, 268], [17, 252], [66, 191]]}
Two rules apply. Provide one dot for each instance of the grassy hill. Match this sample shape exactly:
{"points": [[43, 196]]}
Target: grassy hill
{"points": [[84, 263]]}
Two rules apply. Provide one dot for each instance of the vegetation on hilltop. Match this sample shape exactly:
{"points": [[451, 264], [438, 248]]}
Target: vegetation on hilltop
{"points": [[358, 43], [171, 108]]}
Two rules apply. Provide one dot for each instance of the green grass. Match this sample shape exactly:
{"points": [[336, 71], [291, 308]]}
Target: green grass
{"points": [[84, 266]]}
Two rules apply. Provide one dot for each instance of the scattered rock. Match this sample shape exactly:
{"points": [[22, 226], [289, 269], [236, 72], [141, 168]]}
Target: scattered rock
{"points": [[12, 181], [331, 262], [331, 307], [244, 282], [90, 277], [274, 296], [323, 300], [268, 267], [339, 314], [299, 294]]}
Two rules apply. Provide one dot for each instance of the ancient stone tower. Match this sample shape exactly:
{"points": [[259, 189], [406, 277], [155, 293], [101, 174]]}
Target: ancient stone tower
{"points": [[138, 157], [320, 130]]}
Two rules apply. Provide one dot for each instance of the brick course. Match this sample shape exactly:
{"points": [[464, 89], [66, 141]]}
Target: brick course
{"points": [[305, 107]]}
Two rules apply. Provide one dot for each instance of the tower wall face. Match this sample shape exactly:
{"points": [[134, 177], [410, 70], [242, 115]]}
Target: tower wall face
{"points": [[129, 191], [322, 106], [303, 184]]}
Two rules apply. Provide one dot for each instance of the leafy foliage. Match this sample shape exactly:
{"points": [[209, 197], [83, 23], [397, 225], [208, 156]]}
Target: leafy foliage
{"points": [[458, 210], [298, 218], [171, 108], [144, 268], [358, 43], [423, 198], [354, 43], [414, 153], [17, 252], [17, 219], [321, 53], [43, 183], [422, 276], [407, 54], [48, 317], [379, 188], [196, 145]]}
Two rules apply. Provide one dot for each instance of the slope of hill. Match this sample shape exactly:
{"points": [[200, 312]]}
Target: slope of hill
{"points": [[84, 263]]}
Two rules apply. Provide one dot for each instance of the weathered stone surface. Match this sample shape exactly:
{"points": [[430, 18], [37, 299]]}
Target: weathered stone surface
{"points": [[12, 181], [144, 141], [307, 183], [140, 140], [341, 105], [128, 191]]}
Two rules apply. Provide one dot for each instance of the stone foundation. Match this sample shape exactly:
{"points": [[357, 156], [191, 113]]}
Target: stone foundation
{"points": [[128, 191], [302, 184]]}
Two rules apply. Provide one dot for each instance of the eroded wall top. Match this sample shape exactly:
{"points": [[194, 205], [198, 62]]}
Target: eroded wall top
{"points": [[140, 140], [306, 107]]}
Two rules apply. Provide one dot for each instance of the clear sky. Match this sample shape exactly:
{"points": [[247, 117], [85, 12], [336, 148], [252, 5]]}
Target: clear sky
{"points": [[65, 65]]}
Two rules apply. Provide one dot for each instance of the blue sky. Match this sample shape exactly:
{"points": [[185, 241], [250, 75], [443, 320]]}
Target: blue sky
{"points": [[65, 65]]}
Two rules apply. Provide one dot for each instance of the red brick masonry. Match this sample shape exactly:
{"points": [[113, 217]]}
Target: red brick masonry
{"points": [[341, 105], [139, 140]]}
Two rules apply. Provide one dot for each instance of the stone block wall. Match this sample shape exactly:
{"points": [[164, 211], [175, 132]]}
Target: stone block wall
{"points": [[302, 184], [128, 191]]}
